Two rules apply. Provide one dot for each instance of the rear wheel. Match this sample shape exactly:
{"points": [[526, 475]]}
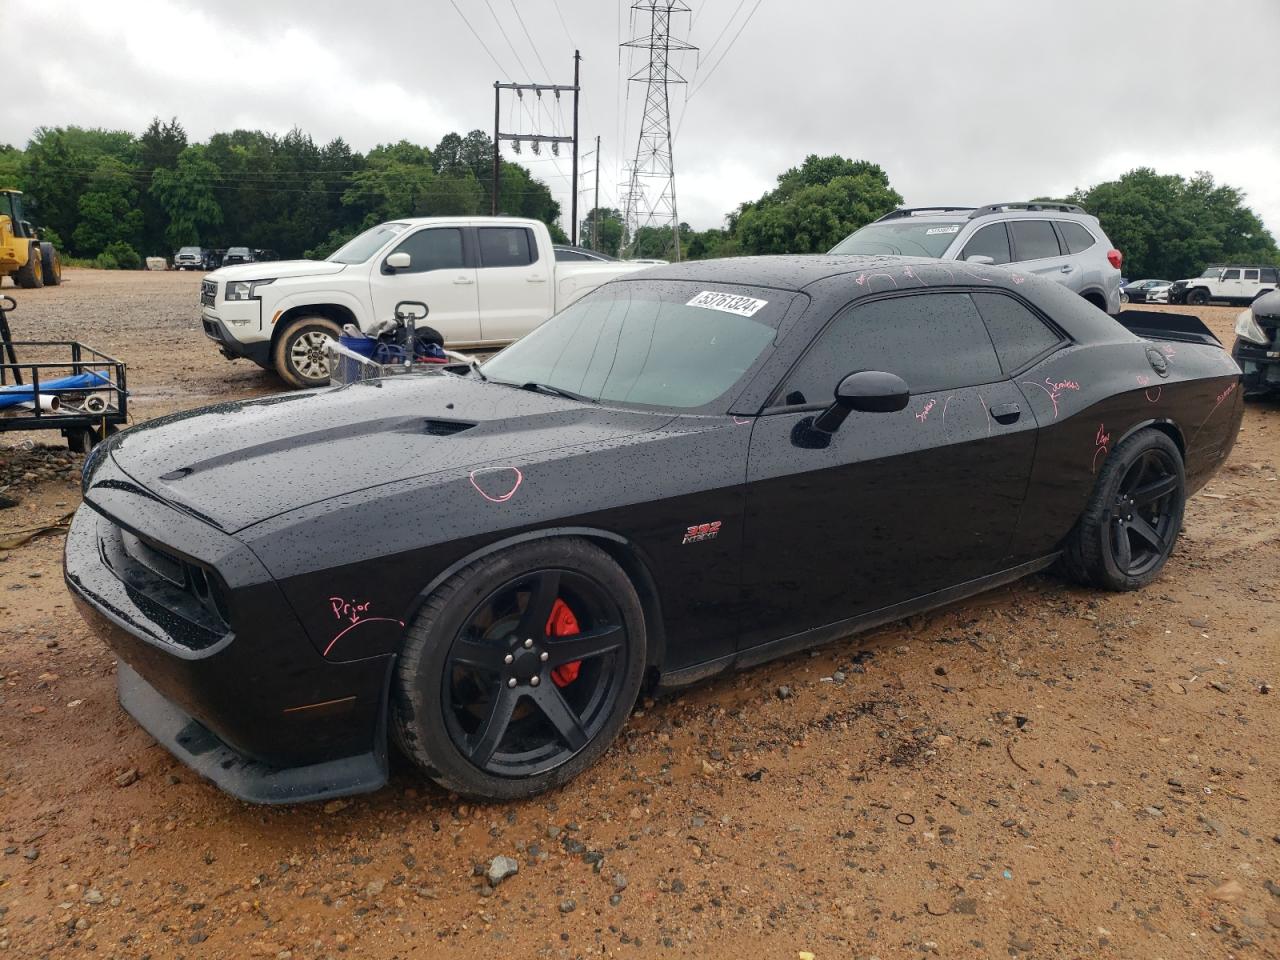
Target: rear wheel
{"points": [[301, 355], [31, 274], [50, 265], [1128, 529], [520, 670], [1198, 297]]}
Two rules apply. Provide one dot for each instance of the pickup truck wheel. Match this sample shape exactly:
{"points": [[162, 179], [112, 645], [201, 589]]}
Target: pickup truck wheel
{"points": [[1134, 516], [51, 264], [31, 274], [300, 355], [1198, 297]]}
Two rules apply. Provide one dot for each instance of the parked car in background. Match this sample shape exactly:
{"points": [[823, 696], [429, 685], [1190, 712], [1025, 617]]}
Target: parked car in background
{"points": [[693, 469], [1159, 293], [265, 256], [1228, 283], [236, 255], [486, 281], [1257, 346], [1137, 290], [568, 254], [1058, 241], [189, 258]]}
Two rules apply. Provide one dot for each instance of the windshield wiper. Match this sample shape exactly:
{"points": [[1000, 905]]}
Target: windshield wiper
{"points": [[556, 391]]}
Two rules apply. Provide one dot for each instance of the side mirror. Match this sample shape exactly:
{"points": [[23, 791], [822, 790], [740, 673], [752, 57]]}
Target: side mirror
{"points": [[867, 391], [397, 261], [980, 258]]}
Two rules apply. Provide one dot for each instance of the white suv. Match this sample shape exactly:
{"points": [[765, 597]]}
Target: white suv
{"points": [[1233, 284], [1057, 241]]}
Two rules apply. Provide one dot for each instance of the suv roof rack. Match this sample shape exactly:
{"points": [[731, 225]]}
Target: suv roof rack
{"points": [[1027, 205], [912, 211]]}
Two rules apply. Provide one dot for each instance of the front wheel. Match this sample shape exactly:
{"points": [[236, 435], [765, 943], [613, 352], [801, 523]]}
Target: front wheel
{"points": [[31, 274], [1198, 298], [1127, 531], [520, 670], [50, 264], [301, 355]]}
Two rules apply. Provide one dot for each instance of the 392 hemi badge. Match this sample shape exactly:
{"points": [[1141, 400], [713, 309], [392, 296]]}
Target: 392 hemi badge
{"points": [[701, 531]]}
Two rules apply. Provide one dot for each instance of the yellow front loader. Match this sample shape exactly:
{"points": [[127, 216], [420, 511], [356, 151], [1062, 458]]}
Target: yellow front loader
{"points": [[30, 261]]}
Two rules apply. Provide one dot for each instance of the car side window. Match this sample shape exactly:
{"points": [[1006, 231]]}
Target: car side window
{"points": [[1076, 237], [1230, 274], [991, 241], [568, 256], [506, 247], [1019, 335], [1033, 240], [436, 248], [1270, 274], [1251, 274], [934, 341]]}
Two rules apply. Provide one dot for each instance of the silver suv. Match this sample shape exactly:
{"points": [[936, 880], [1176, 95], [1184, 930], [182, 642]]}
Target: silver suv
{"points": [[1058, 241]]}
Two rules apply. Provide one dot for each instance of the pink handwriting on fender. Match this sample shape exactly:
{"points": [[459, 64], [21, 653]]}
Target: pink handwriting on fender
{"points": [[348, 609], [1102, 440], [923, 415], [1223, 395]]}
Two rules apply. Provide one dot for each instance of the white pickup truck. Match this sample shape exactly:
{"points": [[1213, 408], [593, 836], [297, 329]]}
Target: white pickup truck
{"points": [[486, 280]]}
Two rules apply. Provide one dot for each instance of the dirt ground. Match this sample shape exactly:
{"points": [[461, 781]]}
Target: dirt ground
{"points": [[1042, 771]]}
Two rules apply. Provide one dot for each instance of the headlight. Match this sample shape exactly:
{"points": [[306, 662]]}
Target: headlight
{"points": [[244, 289], [1247, 328]]}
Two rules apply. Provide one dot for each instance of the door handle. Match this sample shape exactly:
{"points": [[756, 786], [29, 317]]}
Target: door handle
{"points": [[1006, 412], [535, 279], [1066, 268], [463, 280]]}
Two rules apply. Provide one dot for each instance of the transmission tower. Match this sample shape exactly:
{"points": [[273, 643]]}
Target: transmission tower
{"points": [[632, 196], [653, 150]]}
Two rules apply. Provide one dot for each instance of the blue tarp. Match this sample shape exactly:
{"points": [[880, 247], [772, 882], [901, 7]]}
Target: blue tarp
{"points": [[12, 396]]}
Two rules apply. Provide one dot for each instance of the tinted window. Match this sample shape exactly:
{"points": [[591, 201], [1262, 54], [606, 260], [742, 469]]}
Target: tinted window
{"points": [[920, 238], [1230, 274], [505, 247], [991, 241], [1076, 236], [934, 341], [1019, 335], [642, 342], [569, 255], [439, 248], [1033, 239], [1251, 274], [1269, 275]]}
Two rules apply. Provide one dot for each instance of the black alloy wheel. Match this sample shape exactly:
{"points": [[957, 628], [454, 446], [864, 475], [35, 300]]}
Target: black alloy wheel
{"points": [[1134, 515], [1142, 529], [534, 674], [520, 669]]}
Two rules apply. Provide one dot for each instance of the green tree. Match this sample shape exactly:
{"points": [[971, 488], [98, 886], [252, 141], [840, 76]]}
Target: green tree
{"points": [[12, 161], [1171, 227], [611, 230], [159, 148], [108, 210], [814, 206], [185, 198]]}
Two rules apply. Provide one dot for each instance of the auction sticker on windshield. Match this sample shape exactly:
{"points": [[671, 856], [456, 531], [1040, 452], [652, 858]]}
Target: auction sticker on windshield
{"points": [[727, 303], [933, 231]]}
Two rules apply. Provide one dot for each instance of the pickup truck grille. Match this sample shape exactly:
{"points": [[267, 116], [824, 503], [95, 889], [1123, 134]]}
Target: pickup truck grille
{"points": [[208, 292]]}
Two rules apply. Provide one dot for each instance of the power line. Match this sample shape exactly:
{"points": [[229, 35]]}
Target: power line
{"points": [[502, 31], [501, 69], [527, 36], [710, 72]]}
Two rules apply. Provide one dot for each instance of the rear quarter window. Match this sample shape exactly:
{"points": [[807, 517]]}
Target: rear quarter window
{"points": [[1033, 240], [1077, 237], [1018, 334]]}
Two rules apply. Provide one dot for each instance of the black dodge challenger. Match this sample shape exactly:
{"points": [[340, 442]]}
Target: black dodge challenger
{"points": [[693, 469]]}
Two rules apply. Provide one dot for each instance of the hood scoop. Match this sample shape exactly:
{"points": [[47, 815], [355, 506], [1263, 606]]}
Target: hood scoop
{"points": [[445, 428]]}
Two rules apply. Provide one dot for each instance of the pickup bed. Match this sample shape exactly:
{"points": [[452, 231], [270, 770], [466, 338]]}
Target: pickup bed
{"points": [[486, 280]]}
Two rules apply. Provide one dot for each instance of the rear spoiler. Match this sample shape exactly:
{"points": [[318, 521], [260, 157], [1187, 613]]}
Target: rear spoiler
{"points": [[1157, 325]]}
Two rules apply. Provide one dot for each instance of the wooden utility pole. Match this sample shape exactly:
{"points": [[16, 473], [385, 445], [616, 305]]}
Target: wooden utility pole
{"points": [[577, 60]]}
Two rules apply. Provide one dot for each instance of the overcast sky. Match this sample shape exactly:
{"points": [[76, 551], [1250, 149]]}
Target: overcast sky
{"points": [[961, 102]]}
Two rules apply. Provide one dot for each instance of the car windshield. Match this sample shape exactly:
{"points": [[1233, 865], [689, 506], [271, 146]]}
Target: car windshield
{"points": [[365, 245], [189, 250], [654, 343], [1211, 271], [906, 238]]}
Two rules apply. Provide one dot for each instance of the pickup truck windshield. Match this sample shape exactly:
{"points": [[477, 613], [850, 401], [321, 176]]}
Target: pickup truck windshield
{"points": [[653, 343], [365, 245], [901, 238]]}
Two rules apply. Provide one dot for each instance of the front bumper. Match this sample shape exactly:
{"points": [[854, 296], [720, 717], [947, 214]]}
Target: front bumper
{"points": [[231, 348], [255, 708], [1261, 365]]}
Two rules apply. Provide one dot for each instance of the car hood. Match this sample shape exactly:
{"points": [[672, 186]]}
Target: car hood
{"points": [[237, 464], [277, 270]]}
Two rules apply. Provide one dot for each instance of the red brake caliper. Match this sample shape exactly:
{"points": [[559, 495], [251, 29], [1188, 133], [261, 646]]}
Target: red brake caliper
{"points": [[562, 623]]}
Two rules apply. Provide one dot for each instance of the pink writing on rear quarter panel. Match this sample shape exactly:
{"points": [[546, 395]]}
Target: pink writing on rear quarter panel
{"points": [[923, 415], [1102, 439]]}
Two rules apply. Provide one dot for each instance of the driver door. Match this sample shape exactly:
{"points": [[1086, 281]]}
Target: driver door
{"points": [[897, 505], [441, 274]]}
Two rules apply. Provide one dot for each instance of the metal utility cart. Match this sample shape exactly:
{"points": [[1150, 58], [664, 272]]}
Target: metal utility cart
{"points": [[71, 388]]}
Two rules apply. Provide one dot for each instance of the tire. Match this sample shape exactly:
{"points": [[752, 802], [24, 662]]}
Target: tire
{"points": [[1198, 297], [31, 274], [1124, 297], [1143, 465], [299, 356], [436, 670], [50, 264]]}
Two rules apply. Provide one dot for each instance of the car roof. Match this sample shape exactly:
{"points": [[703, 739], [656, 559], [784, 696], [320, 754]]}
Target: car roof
{"points": [[797, 271], [1029, 210]]}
